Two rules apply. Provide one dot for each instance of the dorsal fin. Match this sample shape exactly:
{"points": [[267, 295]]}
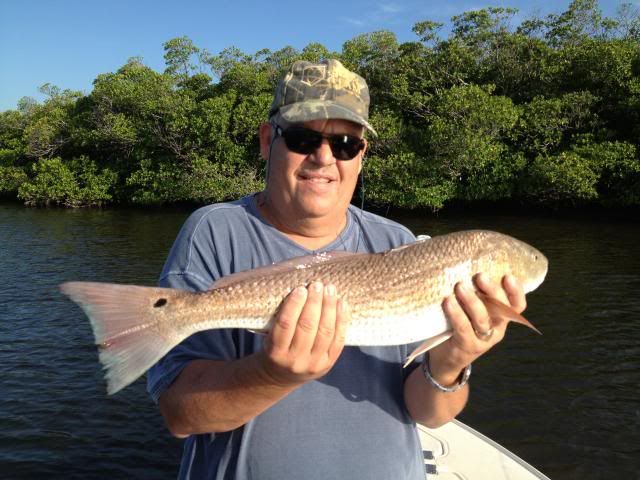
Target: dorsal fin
{"points": [[297, 263], [419, 239]]}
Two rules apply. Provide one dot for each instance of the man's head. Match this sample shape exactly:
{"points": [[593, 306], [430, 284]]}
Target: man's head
{"points": [[314, 140], [321, 91]]}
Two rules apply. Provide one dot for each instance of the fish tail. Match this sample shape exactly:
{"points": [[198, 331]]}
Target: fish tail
{"points": [[127, 326]]}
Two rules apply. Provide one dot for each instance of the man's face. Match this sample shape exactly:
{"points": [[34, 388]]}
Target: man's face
{"points": [[316, 184]]}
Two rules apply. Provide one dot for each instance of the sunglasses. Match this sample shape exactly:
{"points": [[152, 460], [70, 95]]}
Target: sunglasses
{"points": [[304, 141]]}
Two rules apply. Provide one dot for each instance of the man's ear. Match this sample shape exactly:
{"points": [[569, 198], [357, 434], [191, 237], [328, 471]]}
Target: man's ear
{"points": [[265, 132], [364, 150]]}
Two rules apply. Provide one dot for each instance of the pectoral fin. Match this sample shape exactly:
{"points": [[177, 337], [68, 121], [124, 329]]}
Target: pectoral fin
{"points": [[428, 345], [499, 312]]}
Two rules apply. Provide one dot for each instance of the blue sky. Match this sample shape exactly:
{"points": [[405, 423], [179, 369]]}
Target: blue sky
{"points": [[69, 42]]}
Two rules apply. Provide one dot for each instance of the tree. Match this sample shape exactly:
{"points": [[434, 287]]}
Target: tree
{"points": [[467, 142], [548, 110], [374, 56], [563, 179], [178, 53], [49, 126], [582, 20], [546, 125]]}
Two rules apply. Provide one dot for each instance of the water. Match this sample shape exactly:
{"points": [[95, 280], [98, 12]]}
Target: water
{"points": [[567, 402]]}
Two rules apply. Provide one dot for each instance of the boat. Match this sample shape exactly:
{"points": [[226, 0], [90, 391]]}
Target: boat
{"points": [[456, 451]]}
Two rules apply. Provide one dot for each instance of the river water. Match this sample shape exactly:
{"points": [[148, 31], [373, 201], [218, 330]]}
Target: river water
{"points": [[567, 402]]}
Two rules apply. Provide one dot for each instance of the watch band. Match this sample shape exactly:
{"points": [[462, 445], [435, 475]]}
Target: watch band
{"points": [[462, 379]]}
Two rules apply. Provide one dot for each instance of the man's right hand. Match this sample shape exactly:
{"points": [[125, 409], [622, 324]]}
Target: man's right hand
{"points": [[305, 342], [307, 336]]}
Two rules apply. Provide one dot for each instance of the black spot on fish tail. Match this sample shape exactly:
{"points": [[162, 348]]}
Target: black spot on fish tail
{"points": [[160, 303]]}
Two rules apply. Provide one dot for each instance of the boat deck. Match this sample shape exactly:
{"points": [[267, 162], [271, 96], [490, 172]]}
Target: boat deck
{"points": [[456, 451]]}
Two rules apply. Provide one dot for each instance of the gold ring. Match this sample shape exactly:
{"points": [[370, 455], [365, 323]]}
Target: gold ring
{"points": [[485, 335]]}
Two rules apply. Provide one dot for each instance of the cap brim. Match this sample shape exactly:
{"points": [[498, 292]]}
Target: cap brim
{"points": [[321, 110]]}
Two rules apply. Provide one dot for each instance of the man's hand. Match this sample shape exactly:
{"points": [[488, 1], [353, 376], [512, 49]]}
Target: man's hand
{"points": [[305, 342], [308, 335], [470, 319]]}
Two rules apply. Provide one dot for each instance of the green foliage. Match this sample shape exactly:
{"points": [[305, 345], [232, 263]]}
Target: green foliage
{"points": [[215, 182], [11, 178], [566, 178], [76, 184], [427, 31], [53, 183], [618, 169], [203, 181], [581, 21], [547, 111], [177, 56], [12, 144], [546, 124], [406, 180], [467, 142]]}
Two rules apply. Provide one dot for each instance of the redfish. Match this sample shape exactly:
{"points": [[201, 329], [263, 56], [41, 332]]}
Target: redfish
{"points": [[395, 298]]}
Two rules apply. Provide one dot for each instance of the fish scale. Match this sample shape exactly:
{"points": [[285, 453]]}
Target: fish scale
{"points": [[395, 297]]}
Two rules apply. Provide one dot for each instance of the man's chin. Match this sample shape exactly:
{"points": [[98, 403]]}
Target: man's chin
{"points": [[320, 209]]}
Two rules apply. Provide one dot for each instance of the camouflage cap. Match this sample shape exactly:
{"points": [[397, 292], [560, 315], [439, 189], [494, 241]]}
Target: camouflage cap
{"points": [[317, 91]]}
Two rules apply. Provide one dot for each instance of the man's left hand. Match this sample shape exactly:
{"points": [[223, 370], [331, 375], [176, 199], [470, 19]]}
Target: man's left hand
{"points": [[474, 332]]}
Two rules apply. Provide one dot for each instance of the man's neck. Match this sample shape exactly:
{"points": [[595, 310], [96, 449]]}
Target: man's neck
{"points": [[311, 233]]}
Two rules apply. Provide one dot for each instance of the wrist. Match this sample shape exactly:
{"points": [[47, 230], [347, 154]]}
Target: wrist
{"points": [[444, 368], [271, 373], [449, 382]]}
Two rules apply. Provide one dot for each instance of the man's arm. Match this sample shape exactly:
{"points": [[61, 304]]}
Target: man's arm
{"points": [[305, 342], [467, 315]]}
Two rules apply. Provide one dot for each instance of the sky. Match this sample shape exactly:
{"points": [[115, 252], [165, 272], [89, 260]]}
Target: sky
{"points": [[68, 43]]}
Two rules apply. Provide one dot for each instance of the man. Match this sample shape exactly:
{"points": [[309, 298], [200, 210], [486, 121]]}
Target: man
{"points": [[298, 403]]}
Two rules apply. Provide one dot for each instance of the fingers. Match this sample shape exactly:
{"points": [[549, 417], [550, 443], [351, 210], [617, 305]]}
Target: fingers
{"points": [[286, 320], [309, 319], [515, 293], [327, 325], [308, 332], [470, 314], [492, 289], [474, 332], [509, 291], [343, 318]]}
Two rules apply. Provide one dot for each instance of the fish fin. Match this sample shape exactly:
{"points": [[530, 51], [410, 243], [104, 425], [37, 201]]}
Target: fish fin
{"points": [[258, 332], [428, 345], [498, 311], [125, 322], [296, 263], [419, 239]]}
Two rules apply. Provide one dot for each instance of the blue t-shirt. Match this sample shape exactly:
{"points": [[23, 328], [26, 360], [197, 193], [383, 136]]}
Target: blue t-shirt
{"points": [[350, 424]]}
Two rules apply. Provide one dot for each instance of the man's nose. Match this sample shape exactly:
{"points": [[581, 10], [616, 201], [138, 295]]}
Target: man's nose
{"points": [[323, 154]]}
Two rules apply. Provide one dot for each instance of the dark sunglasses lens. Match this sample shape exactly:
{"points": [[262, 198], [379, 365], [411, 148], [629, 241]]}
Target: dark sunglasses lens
{"points": [[304, 141], [346, 147]]}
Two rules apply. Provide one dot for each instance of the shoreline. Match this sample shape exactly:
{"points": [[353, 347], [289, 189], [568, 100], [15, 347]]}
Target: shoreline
{"points": [[451, 210]]}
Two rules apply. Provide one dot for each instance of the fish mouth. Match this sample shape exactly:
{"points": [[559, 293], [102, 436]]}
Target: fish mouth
{"points": [[535, 282]]}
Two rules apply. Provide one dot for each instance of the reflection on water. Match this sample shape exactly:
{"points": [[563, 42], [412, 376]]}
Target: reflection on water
{"points": [[567, 402]]}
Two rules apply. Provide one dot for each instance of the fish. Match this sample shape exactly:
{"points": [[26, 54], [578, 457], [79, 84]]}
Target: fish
{"points": [[395, 298]]}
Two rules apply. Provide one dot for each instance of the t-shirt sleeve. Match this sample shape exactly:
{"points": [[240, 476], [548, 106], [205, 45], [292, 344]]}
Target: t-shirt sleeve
{"points": [[191, 266]]}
